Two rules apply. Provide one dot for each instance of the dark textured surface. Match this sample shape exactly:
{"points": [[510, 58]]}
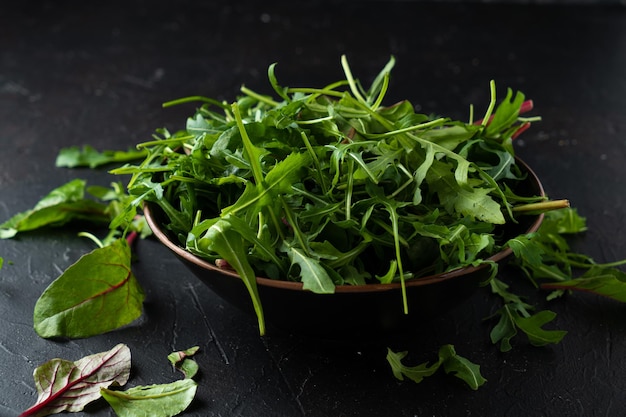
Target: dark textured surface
{"points": [[74, 73]]}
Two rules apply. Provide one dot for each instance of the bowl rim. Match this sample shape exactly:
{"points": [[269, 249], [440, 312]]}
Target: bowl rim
{"points": [[374, 287]]}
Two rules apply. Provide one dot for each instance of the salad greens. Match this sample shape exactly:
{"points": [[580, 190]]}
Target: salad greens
{"points": [[69, 386], [315, 187], [310, 187]]}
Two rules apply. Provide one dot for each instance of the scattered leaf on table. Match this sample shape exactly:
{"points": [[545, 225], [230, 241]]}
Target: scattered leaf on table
{"points": [[452, 363], [164, 400], [181, 361], [69, 386], [97, 294], [58, 207]]}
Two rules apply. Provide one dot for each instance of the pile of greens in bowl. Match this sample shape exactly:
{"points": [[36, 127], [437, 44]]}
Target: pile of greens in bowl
{"points": [[329, 187]]}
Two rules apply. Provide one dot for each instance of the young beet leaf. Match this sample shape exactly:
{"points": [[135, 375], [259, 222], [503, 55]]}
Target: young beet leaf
{"points": [[69, 386], [60, 206], [97, 294], [163, 400]]}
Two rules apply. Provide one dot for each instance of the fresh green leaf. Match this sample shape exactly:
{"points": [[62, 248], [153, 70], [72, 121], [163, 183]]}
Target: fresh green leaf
{"points": [[506, 113], [461, 367], [222, 239], [181, 360], [314, 276], [452, 363], [608, 282], [60, 206], [97, 294], [415, 373], [524, 248], [69, 386], [163, 400], [504, 330], [532, 326], [87, 156]]}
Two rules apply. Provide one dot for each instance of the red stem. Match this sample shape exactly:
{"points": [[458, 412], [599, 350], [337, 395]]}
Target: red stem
{"points": [[131, 237], [520, 130]]}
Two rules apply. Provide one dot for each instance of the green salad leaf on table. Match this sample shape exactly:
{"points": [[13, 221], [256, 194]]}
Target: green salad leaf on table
{"points": [[311, 187]]}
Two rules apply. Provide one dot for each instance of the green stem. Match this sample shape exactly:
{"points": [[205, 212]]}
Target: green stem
{"points": [[255, 164], [541, 206], [259, 97], [492, 103], [191, 99]]}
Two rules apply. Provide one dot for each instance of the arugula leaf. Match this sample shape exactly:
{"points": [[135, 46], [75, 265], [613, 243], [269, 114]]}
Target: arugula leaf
{"points": [[163, 400], [546, 255], [58, 207], [415, 373], [222, 238], [97, 294], [511, 320], [474, 202], [532, 326], [314, 276], [452, 363], [69, 386], [87, 156], [461, 367], [505, 115]]}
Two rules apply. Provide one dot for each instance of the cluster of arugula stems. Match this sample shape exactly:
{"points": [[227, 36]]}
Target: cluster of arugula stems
{"points": [[300, 189]]}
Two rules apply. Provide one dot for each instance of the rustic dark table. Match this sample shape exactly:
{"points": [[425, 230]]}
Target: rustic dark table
{"points": [[74, 73]]}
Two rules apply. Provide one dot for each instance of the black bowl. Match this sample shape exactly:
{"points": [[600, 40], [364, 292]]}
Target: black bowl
{"points": [[353, 311]]}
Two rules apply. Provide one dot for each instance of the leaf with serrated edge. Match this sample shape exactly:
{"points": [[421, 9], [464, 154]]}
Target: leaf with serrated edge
{"points": [[461, 367], [314, 276], [69, 386]]}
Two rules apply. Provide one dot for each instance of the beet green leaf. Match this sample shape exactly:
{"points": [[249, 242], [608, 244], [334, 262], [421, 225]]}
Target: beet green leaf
{"points": [[58, 207], [163, 400], [69, 386], [97, 294]]}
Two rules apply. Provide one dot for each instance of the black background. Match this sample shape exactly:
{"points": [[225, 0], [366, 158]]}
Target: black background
{"points": [[74, 73]]}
